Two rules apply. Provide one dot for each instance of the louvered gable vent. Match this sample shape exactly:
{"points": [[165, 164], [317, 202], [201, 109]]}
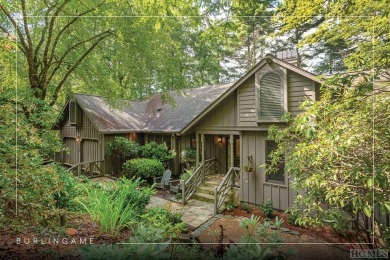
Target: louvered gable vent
{"points": [[74, 113], [271, 97]]}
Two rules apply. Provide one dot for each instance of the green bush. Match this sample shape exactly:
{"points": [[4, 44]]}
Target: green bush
{"points": [[67, 190], [267, 209], [186, 175], [156, 151], [44, 193], [121, 150], [143, 168], [188, 155], [244, 206], [293, 215]]}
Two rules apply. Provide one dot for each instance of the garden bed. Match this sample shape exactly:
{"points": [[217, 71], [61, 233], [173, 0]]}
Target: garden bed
{"points": [[324, 233], [79, 222]]}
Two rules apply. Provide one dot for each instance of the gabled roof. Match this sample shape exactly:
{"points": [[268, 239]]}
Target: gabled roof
{"points": [[155, 116], [261, 63], [152, 115], [187, 108], [109, 119]]}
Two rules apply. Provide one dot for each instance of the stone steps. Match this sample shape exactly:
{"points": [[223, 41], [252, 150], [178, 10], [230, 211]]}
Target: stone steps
{"points": [[206, 191], [203, 197]]}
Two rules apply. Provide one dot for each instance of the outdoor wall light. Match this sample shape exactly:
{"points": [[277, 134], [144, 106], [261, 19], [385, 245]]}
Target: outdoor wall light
{"points": [[219, 139], [78, 139]]}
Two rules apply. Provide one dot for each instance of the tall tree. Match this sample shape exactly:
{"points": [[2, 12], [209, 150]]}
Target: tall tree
{"points": [[359, 30], [114, 48], [337, 150]]}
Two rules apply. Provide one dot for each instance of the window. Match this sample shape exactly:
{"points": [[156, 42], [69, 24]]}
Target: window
{"points": [[160, 139], [74, 113], [279, 175], [236, 147], [193, 141], [271, 97]]}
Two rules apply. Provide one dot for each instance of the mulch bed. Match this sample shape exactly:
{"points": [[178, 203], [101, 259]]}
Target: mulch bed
{"points": [[324, 233]]}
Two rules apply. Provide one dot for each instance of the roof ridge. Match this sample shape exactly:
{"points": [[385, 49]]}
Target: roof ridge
{"points": [[154, 94]]}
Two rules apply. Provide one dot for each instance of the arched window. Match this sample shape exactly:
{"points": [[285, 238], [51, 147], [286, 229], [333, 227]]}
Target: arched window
{"points": [[271, 97]]}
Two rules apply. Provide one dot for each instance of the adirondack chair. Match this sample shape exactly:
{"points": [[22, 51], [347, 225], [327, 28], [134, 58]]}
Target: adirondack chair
{"points": [[161, 182]]}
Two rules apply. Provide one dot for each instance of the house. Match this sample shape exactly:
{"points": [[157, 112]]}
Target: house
{"points": [[227, 123]]}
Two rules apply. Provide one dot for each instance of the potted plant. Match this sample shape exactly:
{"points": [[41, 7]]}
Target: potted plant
{"points": [[248, 167]]}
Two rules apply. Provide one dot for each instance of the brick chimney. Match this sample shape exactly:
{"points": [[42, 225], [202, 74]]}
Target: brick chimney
{"points": [[290, 56]]}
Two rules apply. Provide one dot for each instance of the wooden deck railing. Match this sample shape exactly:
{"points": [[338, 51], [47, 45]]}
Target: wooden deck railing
{"points": [[189, 186], [230, 180], [90, 169]]}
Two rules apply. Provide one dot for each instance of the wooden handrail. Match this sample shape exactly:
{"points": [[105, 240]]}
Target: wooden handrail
{"points": [[88, 168], [191, 185], [223, 189]]}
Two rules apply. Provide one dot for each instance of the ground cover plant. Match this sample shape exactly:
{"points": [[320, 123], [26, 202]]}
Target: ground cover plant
{"points": [[166, 220]]}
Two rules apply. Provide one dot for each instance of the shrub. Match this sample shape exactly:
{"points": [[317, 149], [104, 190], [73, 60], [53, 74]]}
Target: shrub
{"points": [[156, 151], [230, 206], [260, 245], [42, 194], [188, 155], [67, 190], [166, 220], [139, 197], [245, 207], [121, 150], [178, 196], [267, 209], [293, 215], [143, 168], [186, 175], [116, 209]]}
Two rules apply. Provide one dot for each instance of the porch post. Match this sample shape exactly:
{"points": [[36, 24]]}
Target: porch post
{"points": [[231, 143], [202, 140], [197, 149]]}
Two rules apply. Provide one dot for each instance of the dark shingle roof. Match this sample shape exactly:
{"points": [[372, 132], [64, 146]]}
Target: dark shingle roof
{"points": [[109, 119], [151, 115]]}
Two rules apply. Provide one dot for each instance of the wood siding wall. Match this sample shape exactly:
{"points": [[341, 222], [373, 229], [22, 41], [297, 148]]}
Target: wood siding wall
{"points": [[90, 144], [247, 102], [299, 88], [225, 114], [254, 188]]}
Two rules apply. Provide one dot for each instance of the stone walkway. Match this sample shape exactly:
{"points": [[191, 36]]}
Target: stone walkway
{"points": [[195, 212]]}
